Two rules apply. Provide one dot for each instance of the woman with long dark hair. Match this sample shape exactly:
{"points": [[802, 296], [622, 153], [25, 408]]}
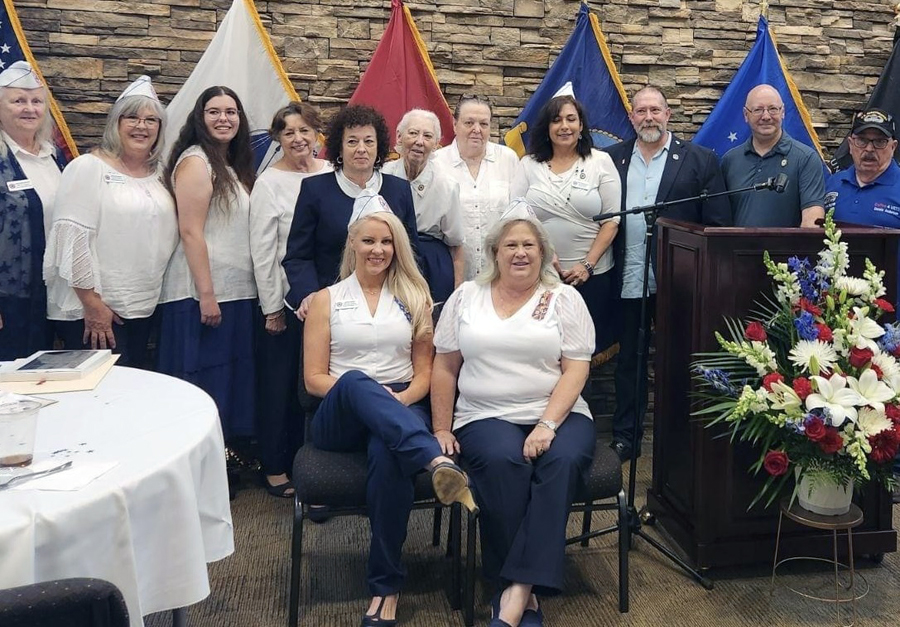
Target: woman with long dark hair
{"points": [[206, 336]]}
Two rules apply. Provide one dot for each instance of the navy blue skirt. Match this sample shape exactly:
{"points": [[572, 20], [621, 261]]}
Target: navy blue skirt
{"points": [[217, 360], [437, 266]]}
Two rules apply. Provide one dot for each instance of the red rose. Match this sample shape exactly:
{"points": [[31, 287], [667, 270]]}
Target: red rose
{"points": [[884, 305], [776, 463], [859, 357], [815, 429], [892, 412], [809, 306], [884, 446], [802, 387], [769, 379], [825, 333], [755, 332], [832, 442]]}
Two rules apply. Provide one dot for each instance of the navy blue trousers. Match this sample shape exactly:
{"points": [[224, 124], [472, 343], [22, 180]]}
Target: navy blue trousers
{"points": [[437, 266], [132, 339], [629, 368], [359, 414], [279, 417], [525, 505]]}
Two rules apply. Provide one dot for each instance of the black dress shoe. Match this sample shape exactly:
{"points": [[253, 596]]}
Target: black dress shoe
{"points": [[623, 450]]}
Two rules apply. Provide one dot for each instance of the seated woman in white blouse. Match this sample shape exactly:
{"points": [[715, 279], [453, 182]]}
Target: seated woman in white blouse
{"points": [[367, 354], [114, 230], [567, 182], [518, 344]]}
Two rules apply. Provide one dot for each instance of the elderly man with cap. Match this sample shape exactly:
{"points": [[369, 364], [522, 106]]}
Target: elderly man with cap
{"points": [[768, 152], [114, 230], [29, 174]]}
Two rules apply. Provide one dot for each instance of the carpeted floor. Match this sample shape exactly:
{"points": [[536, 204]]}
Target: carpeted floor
{"points": [[249, 589]]}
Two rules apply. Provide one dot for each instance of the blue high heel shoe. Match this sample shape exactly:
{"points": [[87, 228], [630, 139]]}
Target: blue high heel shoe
{"points": [[496, 621]]}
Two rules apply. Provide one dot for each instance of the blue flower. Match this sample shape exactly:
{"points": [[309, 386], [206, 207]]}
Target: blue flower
{"points": [[891, 338], [806, 326], [717, 379]]}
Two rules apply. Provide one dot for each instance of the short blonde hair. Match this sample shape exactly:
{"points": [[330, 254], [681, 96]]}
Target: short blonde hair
{"points": [[403, 277], [495, 235]]}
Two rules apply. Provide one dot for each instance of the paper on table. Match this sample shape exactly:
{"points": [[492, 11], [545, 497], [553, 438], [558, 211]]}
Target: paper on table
{"points": [[75, 478], [88, 382]]}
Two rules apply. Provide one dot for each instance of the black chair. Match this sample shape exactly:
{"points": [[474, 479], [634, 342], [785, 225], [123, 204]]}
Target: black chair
{"points": [[604, 482], [64, 603], [338, 481]]}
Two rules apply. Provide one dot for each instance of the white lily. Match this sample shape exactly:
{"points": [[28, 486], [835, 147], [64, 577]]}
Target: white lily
{"points": [[871, 391], [863, 329], [872, 422], [833, 395], [784, 398]]}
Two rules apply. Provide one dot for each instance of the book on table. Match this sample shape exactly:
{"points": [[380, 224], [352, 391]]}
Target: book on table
{"points": [[55, 365]]}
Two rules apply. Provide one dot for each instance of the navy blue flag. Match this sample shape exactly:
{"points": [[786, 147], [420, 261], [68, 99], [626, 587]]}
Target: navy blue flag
{"points": [[726, 128], [586, 62], [13, 47]]}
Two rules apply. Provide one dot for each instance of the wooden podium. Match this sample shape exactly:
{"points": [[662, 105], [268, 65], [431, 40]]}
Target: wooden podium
{"points": [[701, 485]]}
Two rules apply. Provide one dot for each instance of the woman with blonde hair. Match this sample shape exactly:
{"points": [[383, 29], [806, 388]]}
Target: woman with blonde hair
{"points": [[367, 354]]}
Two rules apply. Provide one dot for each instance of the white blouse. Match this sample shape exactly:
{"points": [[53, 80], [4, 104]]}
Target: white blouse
{"points": [[227, 238], [511, 366], [436, 199], [112, 233], [272, 204], [484, 199], [379, 346], [42, 171], [566, 203]]}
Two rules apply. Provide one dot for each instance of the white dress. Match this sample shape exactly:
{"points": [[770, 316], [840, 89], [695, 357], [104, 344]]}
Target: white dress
{"points": [[227, 235], [112, 233], [511, 366], [484, 199], [272, 204]]}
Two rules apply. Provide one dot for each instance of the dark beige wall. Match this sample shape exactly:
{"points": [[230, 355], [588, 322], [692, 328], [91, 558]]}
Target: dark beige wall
{"points": [[835, 49]]}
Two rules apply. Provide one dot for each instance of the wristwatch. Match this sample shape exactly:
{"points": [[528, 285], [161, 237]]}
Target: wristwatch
{"points": [[587, 266], [548, 424]]}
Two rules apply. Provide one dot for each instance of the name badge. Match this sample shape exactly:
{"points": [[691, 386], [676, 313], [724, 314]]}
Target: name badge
{"points": [[114, 177], [18, 186], [581, 185], [344, 305]]}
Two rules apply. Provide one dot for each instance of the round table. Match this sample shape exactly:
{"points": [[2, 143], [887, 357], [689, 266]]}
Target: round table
{"points": [[149, 525]]}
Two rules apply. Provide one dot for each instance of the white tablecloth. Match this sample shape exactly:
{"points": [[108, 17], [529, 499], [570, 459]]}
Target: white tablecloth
{"points": [[149, 525]]}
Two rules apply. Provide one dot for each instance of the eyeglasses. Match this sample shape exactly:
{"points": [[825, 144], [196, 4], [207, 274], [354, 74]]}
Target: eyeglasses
{"points": [[649, 110], [758, 112], [134, 120], [215, 113], [862, 142]]}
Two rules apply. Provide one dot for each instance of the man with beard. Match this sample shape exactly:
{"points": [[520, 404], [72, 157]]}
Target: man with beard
{"points": [[656, 166], [768, 152]]}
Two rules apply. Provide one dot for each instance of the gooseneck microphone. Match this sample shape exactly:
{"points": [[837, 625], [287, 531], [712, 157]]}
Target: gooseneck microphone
{"points": [[781, 182]]}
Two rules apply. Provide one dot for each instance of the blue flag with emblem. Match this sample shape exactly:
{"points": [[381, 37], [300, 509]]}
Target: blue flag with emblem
{"points": [[14, 47], [586, 62], [726, 128], [241, 57]]}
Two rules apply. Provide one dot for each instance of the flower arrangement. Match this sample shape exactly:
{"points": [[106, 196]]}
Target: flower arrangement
{"points": [[812, 379]]}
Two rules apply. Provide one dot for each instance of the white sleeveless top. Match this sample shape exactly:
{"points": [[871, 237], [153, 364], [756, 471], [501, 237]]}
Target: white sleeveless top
{"points": [[227, 235], [379, 346]]}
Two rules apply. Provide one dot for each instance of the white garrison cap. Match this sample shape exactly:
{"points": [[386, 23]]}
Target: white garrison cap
{"points": [[565, 90], [140, 87], [519, 209], [367, 203], [21, 76]]}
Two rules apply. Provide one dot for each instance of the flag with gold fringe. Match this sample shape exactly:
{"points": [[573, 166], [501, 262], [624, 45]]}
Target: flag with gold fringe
{"points": [[400, 76], [586, 62]]}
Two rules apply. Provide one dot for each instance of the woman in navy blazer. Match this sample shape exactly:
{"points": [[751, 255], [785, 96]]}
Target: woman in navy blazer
{"points": [[358, 144]]}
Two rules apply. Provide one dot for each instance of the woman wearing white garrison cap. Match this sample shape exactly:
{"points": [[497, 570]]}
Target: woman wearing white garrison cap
{"points": [[114, 230], [29, 177]]}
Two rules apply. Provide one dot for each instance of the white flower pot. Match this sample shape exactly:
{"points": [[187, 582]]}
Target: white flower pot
{"points": [[818, 494]]}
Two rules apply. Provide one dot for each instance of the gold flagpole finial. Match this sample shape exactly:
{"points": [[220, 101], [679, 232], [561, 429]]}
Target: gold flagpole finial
{"points": [[764, 9], [897, 15]]}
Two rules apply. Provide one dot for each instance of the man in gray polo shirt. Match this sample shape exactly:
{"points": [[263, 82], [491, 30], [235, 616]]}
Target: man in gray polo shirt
{"points": [[768, 152]]}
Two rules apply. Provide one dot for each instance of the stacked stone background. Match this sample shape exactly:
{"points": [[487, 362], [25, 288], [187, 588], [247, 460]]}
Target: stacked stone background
{"points": [[89, 50]]}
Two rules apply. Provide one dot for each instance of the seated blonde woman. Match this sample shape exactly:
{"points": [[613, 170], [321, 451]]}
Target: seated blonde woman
{"points": [[367, 354]]}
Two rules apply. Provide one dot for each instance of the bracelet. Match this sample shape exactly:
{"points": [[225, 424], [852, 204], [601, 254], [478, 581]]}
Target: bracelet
{"points": [[588, 266], [548, 424]]}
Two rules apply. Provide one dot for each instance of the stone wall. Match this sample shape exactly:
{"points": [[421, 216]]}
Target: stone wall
{"points": [[835, 49]]}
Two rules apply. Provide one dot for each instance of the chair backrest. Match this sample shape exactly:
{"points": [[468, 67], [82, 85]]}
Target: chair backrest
{"points": [[64, 603]]}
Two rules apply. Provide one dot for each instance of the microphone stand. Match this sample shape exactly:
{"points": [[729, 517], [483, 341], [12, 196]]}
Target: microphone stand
{"points": [[651, 214]]}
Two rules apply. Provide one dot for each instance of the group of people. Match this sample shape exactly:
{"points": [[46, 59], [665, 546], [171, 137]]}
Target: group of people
{"points": [[447, 305]]}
